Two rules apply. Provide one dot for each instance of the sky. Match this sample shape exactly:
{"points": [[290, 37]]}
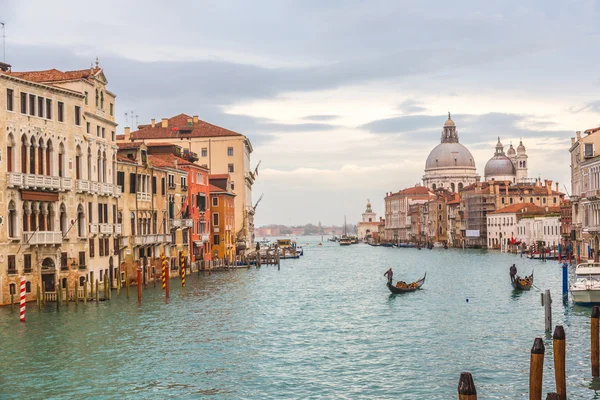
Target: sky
{"points": [[342, 100]]}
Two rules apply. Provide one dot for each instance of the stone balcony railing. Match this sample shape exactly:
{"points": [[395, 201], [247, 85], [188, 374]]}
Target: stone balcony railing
{"points": [[151, 239], [102, 189], [143, 196], [34, 181], [106, 229], [118, 229], [94, 229], [181, 223], [42, 238]]}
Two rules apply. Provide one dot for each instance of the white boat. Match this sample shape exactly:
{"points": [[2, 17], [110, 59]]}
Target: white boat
{"points": [[586, 287]]}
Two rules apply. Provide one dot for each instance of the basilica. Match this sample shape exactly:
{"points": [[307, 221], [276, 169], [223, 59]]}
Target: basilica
{"points": [[451, 166]]}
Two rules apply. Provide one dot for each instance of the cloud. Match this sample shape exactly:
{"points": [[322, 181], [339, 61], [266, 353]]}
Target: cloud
{"points": [[409, 106], [320, 117], [592, 106]]}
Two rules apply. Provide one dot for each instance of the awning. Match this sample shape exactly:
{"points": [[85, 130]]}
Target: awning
{"points": [[198, 243]]}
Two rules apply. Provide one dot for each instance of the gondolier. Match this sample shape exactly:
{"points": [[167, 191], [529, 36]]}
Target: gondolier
{"points": [[513, 272], [390, 274]]}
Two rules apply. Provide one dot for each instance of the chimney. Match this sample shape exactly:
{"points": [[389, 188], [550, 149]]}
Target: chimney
{"points": [[549, 186], [195, 119], [572, 141], [189, 121], [127, 134], [578, 135], [153, 122], [557, 186], [164, 123]]}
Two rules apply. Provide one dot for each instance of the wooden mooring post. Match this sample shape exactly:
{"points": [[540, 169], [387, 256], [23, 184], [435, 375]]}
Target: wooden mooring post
{"points": [[44, 293], [595, 341], [119, 282], [466, 387], [39, 297], [97, 295], [58, 293], [552, 396], [139, 284], [85, 293], [547, 303], [127, 283], [560, 373], [536, 369]]}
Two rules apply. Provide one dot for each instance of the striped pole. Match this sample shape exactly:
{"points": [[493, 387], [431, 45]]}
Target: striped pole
{"points": [[164, 271], [22, 313], [182, 269]]}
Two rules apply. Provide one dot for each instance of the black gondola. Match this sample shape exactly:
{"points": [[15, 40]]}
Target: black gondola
{"points": [[417, 286], [522, 283]]}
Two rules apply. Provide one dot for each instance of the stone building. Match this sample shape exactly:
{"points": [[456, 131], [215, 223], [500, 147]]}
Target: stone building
{"points": [[398, 224], [222, 151], [510, 168], [57, 179], [450, 165], [222, 211], [368, 225]]}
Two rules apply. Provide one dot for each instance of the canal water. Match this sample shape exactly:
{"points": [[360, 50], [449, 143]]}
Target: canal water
{"points": [[324, 326]]}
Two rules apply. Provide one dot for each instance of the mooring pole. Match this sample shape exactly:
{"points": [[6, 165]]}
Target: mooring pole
{"points": [[466, 387], [139, 286], [536, 369], [559, 346], [595, 341]]}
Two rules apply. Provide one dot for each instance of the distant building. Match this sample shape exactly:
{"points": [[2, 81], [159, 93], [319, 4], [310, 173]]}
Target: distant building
{"points": [[398, 225], [368, 225], [222, 209]]}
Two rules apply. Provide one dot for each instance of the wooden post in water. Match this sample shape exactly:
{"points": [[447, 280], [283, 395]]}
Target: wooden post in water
{"points": [[67, 293], [466, 387], [168, 271], [139, 286], [595, 341], [119, 281], [552, 396], [85, 293], [97, 295], [44, 293], [58, 293], [536, 369], [548, 311], [12, 301], [127, 283], [560, 373], [39, 298], [76, 294]]}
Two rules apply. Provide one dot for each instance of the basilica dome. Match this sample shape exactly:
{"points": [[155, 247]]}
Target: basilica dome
{"points": [[449, 155], [500, 167]]}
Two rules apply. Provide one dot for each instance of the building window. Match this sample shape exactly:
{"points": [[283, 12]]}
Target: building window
{"points": [[103, 133], [82, 259], [27, 263], [10, 94], [31, 104], [28, 287], [12, 265], [230, 151], [216, 240], [162, 186], [230, 168], [101, 247], [215, 219], [589, 150], [112, 109], [23, 103], [40, 107], [132, 183], [86, 97], [92, 250], [112, 135], [98, 131], [77, 115], [48, 109], [232, 186], [204, 152], [87, 127], [63, 262], [153, 185], [215, 201], [183, 183], [61, 114]]}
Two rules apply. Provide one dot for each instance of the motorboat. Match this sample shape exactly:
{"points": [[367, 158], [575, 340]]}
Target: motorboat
{"points": [[586, 287]]}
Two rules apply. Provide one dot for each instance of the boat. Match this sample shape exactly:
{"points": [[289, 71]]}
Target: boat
{"points": [[524, 283], [345, 240], [319, 244], [586, 287], [411, 287]]}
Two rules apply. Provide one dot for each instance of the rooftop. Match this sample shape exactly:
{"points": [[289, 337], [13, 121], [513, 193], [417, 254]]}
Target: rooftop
{"points": [[55, 75], [180, 126]]}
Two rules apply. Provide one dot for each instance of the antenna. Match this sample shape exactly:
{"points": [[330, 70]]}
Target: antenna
{"points": [[126, 120], [3, 41]]}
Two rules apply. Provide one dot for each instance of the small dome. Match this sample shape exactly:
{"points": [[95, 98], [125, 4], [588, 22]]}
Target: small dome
{"points": [[511, 151], [449, 155], [521, 148], [499, 165], [449, 122]]}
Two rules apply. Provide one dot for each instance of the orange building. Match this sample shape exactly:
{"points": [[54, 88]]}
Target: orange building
{"points": [[222, 218]]}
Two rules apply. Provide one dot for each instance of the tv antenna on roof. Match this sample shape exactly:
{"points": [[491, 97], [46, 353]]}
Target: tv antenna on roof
{"points": [[134, 119]]}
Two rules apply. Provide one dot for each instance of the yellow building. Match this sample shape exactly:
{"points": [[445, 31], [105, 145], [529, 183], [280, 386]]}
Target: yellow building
{"points": [[57, 192], [222, 208], [222, 151]]}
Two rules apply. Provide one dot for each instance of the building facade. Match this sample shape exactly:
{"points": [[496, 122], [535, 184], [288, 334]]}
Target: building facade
{"points": [[398, 224], [57, 180], [222, 204], [368, 225]]}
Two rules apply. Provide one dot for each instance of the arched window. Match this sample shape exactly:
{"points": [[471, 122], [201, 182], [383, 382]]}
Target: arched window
{"points": [[460, 186], [524, 164], [132, 216], [24, 154], [452, 187], [119, 217], [80, 221], [61, 160], [50, 218], [434, 186], [78, 162], [89, 164], [102, 100], [63, 219], [12, 220], [32, 217], [42, 217], [12, 288], [65, 283], [28, 287], [10, 157], [41, 156], [49, 155], [25, 216], [99, 162], [32, 156], [97, 97], [81, 281], [103, 166]]}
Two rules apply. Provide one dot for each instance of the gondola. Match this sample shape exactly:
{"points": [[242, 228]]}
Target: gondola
{"points": [[410, 288], [522, 283]]}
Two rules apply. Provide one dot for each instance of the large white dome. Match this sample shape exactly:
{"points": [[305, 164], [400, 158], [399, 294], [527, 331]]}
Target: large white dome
{"points": [[450, 155]]}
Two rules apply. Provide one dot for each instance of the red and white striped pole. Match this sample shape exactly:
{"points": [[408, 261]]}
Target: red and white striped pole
{"points": [[22, 302]]}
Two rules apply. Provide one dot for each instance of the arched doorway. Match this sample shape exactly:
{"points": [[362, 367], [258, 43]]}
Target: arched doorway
{"points": [[49, 274]]}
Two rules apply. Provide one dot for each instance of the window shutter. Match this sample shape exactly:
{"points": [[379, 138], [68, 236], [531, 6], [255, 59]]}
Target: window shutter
{"points": [[132, 183], [153, 185]]}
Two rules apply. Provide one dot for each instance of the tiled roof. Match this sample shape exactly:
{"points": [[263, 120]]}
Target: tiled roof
{"points": [[218, 176], [131, 145], [124, 159], [216, 189], [592, 130], [178, 128], [415, 190], [54, 75], [120, 137], [167, 160], [159, 144], [527, 208]]}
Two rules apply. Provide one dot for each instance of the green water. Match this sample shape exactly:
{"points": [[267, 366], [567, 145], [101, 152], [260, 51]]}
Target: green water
{"points": [[324, 326]]}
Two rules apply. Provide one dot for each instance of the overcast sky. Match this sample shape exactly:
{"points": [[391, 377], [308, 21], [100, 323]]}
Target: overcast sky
{"points": [[343, 100]]}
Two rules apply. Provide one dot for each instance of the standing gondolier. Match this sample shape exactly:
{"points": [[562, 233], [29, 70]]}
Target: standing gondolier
{"points": [[513, 272], [390, 274]]}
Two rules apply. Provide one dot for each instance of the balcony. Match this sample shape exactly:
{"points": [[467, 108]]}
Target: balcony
{"points": [[204, 237], [143, 196], [82, 186], [124, 241], [106, 229], [181, 223], [94, 229], [172, 185], [117, 191], [43, 182], [184, 188], [152, 239], [118, 229], [42, 238]]}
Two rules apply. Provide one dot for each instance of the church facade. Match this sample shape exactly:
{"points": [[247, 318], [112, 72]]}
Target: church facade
{"points": [[369, 226]]}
